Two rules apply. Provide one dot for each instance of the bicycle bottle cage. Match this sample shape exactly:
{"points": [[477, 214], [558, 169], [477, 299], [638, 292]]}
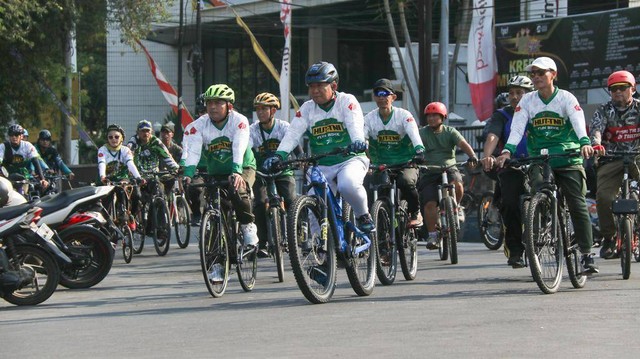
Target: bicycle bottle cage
{"points": [[624, 206]]}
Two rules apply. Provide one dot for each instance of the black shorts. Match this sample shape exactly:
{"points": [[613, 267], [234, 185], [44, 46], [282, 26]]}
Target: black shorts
{"points": [[428, 185]]}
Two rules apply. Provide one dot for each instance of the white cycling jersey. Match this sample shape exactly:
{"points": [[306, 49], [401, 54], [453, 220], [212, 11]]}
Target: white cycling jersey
{"points": [[392, 141], [116, 163]]}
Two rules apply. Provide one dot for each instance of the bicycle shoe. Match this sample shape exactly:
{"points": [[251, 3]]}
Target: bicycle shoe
{"points": [[516, 262], [365, 223], [588, 265]]}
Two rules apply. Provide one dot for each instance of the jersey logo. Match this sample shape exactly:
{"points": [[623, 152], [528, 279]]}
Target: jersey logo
{"points": [[351, 106], [410, 119], [321, 130], [518, 108], [100, 154], [242, 126], [577, 108], [298, 114], [193, 130]]}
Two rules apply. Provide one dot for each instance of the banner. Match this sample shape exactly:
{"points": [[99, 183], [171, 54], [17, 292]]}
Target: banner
{"points": [[540, 9], [285, 18], [168, 91], [586, 48], [481, 59]]}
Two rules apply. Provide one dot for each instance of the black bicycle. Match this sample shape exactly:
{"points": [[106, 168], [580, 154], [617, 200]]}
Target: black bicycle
{"points": [[152, 217]]}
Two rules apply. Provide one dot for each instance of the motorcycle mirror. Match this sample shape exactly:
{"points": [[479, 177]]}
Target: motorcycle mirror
{"points": [[4, 172]]}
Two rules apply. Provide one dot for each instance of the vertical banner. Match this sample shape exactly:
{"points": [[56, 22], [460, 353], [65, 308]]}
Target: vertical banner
{"points": [[481, 59], [285, 18]]}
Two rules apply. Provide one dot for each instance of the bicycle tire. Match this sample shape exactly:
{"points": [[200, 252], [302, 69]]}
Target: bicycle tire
{"points": [[626, 237], [127, 243], [96, 253], [577, 278], [490, 223], [214, 250], [544, 250], [275, 234], [407, 243], [386, 247], [182, 222], [246, 261], [47, 275], [139, 233], [361, 268], [313, 263], [454, 231], [443, 233], [161, 230]]}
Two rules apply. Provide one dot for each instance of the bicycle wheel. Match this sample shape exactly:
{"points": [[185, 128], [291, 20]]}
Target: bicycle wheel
{"points": [[45, 281], [181, 221], [139, 232], [407, 243], [626, 237], [544, 250], [161, 231], [313, 260], [214, 253], [246, 262], [127, 243], [386, 256], [360, 267], [453, 229], [275, 234], [578, 280], [490, 222], [95, 255]]}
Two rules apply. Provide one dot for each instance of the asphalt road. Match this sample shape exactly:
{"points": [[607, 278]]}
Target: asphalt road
{"points": [[158, 307]]}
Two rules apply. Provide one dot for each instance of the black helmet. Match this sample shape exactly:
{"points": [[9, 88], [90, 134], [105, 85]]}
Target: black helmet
{"points": [[200, 106], [115, 127], [502, 100], [321, 72], [5, 188], [15, 130], [44, 135]]}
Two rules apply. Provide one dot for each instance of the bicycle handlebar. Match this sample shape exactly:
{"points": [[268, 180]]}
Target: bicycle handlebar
{"points": [[517, 162]]}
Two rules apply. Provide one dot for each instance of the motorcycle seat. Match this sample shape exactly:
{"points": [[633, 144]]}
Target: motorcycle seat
{"points": [[7, 213], [64, 199]]}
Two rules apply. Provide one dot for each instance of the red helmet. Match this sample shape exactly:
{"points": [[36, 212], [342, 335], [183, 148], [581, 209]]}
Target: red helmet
{"points": [[436, 107], [621, 76]]}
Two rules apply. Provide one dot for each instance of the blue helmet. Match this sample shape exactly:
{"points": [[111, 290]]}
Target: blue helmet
{"points": [[321, 72]]}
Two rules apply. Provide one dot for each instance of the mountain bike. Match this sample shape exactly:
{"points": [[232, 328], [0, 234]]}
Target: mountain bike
{"points": [[152, 217], [221, 241], [549, 237], [489, 218], [321, 232], [395, 237], [625, 209], [118, 211], [179, 214], [276, 223]]}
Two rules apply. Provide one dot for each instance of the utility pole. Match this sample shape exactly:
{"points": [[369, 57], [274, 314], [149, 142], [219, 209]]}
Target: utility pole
{"points": [[198, 60], [425, 11], [444, 52], [180, 40], [70, 66]]}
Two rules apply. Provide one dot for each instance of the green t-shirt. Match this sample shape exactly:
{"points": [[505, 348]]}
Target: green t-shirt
{"points": [[440, 148]]}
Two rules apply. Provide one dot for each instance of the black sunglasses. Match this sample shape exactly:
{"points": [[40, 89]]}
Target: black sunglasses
{"points": [[116, 137], [619, 88], [539, 72], [382, 93]]}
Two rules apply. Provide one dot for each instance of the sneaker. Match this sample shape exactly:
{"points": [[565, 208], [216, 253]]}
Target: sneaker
{"points": [[588, 265], [215, 276], [608, 249], [195, 220], [250, 234], [461, 214], [416, 220], [432, 242], [318, 274], [365, 223], [516, 261]]}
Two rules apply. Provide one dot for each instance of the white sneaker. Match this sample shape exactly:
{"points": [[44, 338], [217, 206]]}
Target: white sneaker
{"points": [[461, 214], [215, 276], [250, 234]]}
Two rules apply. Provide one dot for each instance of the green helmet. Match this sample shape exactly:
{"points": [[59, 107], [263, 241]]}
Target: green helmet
{"points": [[219, 92]]}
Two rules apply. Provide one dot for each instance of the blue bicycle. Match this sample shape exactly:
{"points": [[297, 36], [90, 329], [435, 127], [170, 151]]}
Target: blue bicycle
{"points": [[320, 233]]}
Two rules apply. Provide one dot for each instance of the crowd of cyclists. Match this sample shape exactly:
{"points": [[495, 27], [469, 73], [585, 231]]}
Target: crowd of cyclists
{"points": [[223, 144]]}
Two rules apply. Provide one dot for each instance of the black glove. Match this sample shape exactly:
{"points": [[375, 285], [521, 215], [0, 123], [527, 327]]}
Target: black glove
{"points": [[418, 157], [472, 161], [357, 147], [272, 164]]}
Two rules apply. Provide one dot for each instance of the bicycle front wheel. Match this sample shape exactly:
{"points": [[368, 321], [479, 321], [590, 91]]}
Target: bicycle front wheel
{"points": [[387, 257], [214, 254], [360, 267], [626, 237], [139, 232], [127, 243], [246, 263], [543, 248], [181, 221], [407, 243], [490, 222], [453, 229], [577, 278], [275, 235], [313, 259], [161, 231]]}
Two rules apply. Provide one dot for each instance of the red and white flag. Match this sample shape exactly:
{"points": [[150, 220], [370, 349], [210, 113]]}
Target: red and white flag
{"points": [[169, 93], [482, 67], [285, 18]]}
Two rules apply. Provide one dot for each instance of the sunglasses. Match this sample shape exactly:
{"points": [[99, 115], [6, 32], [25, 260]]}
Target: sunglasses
{"points": [[382, 93], [114, 137], [538, 72], [620, 88]]}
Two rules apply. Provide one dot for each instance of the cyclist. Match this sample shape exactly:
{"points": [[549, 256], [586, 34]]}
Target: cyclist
{"points": [[50, 155], [332, 120], [440, 143], [510, 181], [394, 139], [19, 156], [265, 139], [148, 154], [225, 133], [615, 126], [555, 121], [115, 161], [167, 131]]}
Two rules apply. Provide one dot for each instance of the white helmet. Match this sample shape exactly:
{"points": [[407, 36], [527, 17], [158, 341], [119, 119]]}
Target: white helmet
{"points": [[520, 81]]}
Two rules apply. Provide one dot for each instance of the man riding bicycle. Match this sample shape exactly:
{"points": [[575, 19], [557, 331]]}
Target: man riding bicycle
{"points": [[266, 135], [440, 143], [332, 120], [394, 139], [19, 156], [50, 155], [554, 120], [225, 134], [615, 126]]}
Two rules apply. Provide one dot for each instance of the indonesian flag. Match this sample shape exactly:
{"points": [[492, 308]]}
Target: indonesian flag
{"points": [[285, 18], [482, 65], [168, 91]]}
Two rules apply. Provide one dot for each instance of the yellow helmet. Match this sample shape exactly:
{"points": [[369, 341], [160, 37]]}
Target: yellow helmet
{"points": [[266, 99]]}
